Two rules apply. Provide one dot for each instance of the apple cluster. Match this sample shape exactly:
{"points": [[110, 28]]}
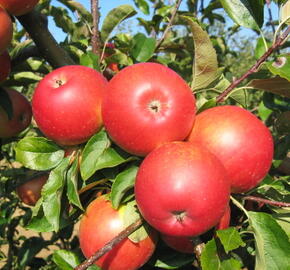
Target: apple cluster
{"points": [[22, 113], [191, 162]]}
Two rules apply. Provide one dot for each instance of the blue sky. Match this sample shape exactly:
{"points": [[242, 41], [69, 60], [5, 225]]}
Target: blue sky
{"points": [[107, 5]]}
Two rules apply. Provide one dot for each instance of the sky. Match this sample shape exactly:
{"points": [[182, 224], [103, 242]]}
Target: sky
{"points": [[107, 5]]}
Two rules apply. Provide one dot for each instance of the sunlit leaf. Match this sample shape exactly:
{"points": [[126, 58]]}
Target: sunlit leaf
{"points": [[143, 47], [230, 238], [281, 66]]}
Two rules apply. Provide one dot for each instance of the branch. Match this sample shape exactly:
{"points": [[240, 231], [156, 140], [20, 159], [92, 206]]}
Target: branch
{"points": [[95, 33], [110, 245], [45, 42], [268, 2], [255, 67], [173, 14], [265, 201]]}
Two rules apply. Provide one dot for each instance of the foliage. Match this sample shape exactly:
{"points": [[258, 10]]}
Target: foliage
{"points": [[199, 46]]}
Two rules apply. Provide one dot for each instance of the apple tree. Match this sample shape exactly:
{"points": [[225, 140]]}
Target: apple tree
{"points": [[156, 136]]}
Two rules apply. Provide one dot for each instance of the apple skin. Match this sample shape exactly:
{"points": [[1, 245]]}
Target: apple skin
{"points": [[18, 7], [182, 189], [6, 30], [99, 225], [67, 103], [180, 244], [224, 222], [30, 191], [146, 105], [21, 118], [240, 140], [5, 65]]}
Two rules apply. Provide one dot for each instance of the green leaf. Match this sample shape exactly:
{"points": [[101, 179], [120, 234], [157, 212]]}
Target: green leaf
{"points": [[52, 193], [260, 48], [209, 258], [280, 67], [65, 260], [94, 148], [130, 215], [230, 238], [277, 85], [143, 6], [143, 47], [26, 77], [207, 105], [38, 153], [72, 184], [111, 158], [123, 182], [114, 18], [263, 111], [120, 58], [39, 223], [272, 243], [231, 264], [5, 103], [247, 13], [205, 69], [76, 6], [91, 60]]}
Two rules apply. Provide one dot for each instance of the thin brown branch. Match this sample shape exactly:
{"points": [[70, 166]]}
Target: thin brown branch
{"points": [[95, 41], [268, 2], [173, 14], [109, 246], [266, 201], [255, 67]]}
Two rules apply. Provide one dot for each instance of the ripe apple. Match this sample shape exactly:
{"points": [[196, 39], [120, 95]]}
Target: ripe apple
{"points": [[21, 115], [113, 66], [5, 65], [67, 102], [6, 30], [224, 222], [99, 225], [182, 189], [18, 7], [240, 140], [146, 105], [30, 191], [182, 244]]}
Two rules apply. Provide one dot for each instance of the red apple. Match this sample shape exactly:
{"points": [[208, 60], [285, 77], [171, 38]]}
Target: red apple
{"points": [[99, 225], [182, 189], [21, 117], [240, 140], [182, 244], [146, 105], [5, 65], [67, 104], [6, 30], [224, 222], [18, 7], [113, 66], [30, 191]]}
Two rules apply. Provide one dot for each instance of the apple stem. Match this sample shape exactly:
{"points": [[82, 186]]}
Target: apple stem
{"points": [[173, 14], [95, 40], [109, 246], [279, 41], [265, 201]]}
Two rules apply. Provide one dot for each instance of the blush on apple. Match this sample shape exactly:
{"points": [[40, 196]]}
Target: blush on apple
{"points": [[5, 65], [6, 30], [21, 117], [100, 224], [147, 105], [239, 140], [18, 7], [182, 189], [67, 104]]}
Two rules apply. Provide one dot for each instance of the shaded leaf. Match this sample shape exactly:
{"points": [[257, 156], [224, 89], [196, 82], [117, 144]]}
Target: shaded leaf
{"points": [[143, 6], [275, 85], [114, 18], [247, 13], [91, 60], [272, 243], [38, 153], [205, 69], [123, 182], [173, 260]]}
